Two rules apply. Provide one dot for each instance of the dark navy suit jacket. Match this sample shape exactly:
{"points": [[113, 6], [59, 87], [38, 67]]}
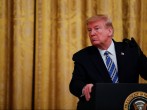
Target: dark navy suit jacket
{"points": [[90, 68]]}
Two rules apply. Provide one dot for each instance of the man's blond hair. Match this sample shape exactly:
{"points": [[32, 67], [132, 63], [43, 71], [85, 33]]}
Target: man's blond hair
{"points": [[108, 21]]}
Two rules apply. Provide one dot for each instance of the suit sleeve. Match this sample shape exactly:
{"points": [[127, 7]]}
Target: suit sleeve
{"points": [[142, 65], [78, 78], [142, 62]]}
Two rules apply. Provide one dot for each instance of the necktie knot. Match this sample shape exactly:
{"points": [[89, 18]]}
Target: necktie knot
{"points": [[106, 53]]}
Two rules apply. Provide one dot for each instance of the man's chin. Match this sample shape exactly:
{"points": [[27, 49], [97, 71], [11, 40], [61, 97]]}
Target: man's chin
{"points": [[95, 43]]}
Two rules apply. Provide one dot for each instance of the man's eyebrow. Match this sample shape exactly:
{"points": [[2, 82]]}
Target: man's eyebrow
{"points": [[94, 26], [97, 26]]}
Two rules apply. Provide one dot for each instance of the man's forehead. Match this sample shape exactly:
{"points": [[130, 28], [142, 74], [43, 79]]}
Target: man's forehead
{"points": [[96, 23]]}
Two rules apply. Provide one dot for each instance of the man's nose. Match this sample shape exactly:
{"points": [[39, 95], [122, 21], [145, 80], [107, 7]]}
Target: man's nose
{"points": [[92, 33]]}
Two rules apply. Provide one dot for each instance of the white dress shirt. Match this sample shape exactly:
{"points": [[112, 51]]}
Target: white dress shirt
{"points": [[112, 54]]}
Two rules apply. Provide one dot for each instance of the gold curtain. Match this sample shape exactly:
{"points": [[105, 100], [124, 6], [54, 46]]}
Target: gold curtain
{"points": [[38, 39]]}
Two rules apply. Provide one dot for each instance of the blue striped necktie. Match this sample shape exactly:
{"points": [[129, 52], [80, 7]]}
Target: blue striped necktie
{"points": [[111, 68]]}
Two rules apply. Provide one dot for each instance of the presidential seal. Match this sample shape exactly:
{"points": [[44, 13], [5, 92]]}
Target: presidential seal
{"points": [[136, 101]]}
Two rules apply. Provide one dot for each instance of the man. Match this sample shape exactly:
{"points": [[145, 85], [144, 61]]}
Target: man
{"points": [[91, 62]]}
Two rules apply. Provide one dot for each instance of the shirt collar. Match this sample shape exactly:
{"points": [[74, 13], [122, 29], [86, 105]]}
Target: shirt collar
{"points": [[111, 49]]}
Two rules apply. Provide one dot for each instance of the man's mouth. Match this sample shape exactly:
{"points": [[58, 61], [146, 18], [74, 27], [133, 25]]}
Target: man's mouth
{"points": [[94, 39]]}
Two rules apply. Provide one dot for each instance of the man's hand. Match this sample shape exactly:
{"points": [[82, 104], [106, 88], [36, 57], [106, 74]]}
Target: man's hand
{"points": [[87, 90]]}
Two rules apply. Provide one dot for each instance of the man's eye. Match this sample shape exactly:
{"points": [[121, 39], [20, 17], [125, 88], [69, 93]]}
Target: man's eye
{"points": [[89, 30], [97, 28]]}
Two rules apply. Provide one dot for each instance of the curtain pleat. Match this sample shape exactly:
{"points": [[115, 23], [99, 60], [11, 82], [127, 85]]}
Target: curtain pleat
{"points": [[17, 35], [3, 54]]}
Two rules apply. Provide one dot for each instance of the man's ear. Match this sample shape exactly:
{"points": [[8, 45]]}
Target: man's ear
{"points": [[110, 31]]}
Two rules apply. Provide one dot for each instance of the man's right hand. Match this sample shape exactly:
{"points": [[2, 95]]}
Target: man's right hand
{"points": [[87, 90]]}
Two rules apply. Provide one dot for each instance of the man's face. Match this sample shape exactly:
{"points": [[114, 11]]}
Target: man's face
{"points": [[99, 34]]}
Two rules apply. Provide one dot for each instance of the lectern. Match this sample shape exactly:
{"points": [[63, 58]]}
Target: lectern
{"points": [[121, 96]]}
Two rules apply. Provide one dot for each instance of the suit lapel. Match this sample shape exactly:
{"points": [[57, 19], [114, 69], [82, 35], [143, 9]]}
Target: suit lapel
{"points": [[99, 64], [120, 55]]}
